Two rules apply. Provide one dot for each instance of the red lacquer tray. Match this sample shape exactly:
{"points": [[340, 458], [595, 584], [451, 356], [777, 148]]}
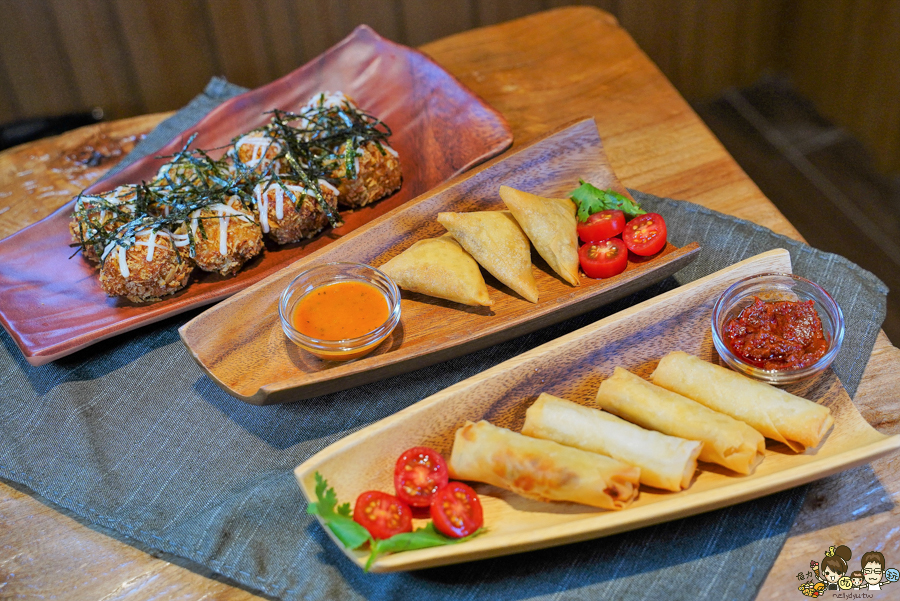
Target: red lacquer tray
{"points": [[52, 304]]}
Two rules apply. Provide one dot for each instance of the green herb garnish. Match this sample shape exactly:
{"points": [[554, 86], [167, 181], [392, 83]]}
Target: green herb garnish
{"points": [[353, 536], [591, 199]]}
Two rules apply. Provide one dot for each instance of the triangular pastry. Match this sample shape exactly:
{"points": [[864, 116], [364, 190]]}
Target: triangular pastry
{"points": [[499, 245], [439, 267], [550, 225]]}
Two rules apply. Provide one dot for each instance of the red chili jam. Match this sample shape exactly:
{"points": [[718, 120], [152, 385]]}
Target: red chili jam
{"points": [[777, 335]]}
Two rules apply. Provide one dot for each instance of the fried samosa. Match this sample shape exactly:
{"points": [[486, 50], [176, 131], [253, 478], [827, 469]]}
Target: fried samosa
{"points": [[550, 225], [496, 241], [439, 267]]}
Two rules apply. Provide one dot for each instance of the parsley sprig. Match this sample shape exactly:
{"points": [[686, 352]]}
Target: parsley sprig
{"points": [[353, 536], [591, 199]]}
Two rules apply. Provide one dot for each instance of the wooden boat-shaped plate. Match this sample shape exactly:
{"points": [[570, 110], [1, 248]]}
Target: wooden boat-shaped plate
{"points": [[241, 346], [51, 302], [572, 367]]}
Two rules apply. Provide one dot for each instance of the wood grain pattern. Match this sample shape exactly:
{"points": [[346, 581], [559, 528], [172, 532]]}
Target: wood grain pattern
{"points": [[439, 129], [655, 143], [41, 176], [572, 367], [253, 360]]}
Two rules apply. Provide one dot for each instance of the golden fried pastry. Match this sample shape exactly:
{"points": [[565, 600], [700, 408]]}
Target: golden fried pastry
{"points": [[775, 413], [550, 225], [666, 462], [726, 441], [499, 245], [541, 469], [439, 267]]}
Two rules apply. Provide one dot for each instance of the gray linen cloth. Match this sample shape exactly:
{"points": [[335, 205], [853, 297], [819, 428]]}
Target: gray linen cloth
{"points": [[130, 435]]}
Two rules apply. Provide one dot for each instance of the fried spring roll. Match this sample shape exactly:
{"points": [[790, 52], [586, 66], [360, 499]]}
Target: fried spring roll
{"points": [[726, 441], [666, 462], [776, 414], [541, 469]]}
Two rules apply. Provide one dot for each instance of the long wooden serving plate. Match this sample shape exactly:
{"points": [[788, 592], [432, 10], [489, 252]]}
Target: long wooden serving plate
{"points": [[240, 344], [572, 367]]}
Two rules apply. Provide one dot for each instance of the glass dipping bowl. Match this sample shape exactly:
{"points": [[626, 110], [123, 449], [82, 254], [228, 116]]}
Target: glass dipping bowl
{"points": [[777, 287], [331, 273]]}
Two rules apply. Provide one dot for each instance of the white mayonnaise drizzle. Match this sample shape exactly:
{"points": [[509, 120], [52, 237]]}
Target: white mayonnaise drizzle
{"points": [[325, 184], [150, 243], [224, 213], [261, 195], [123, 264], [259, 145]]}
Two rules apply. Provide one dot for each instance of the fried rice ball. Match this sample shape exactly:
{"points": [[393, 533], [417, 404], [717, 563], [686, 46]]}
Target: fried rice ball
{"points": [[97, 215], [151, 268], [174, 175], [282, 220], [257, 150], [377, 175], [225, 236]]}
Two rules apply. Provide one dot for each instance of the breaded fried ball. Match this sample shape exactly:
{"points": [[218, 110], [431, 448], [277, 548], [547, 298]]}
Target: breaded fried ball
{"points": [[285, 222], [174, 175], [153, 267], [257, 150], [377, 175], [98, 215], [225, 236]]}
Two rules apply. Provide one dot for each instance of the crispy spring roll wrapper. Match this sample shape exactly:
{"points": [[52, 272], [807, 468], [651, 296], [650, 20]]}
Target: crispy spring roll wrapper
{"points": [[776, 414], [726, 441], [541, 469], [666, 462]]}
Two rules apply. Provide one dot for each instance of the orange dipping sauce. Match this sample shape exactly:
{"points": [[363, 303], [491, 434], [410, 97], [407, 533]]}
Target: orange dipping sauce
{"points": [[340, 310]]}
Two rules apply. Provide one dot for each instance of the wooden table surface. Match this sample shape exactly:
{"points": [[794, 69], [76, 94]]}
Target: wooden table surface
{"points": [[540, 71]]}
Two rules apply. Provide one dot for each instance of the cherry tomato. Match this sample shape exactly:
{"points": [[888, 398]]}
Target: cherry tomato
{"points": [[645, 235], [419, 473], [456, 510], [601, 226], [603, 259], [383, 515]]}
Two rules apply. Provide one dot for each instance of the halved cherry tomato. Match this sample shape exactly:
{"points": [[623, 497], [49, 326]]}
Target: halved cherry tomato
{"points": [[603, 259], [645, 235], [418, 474], [383, 515], [601, 226], [456, 510]]}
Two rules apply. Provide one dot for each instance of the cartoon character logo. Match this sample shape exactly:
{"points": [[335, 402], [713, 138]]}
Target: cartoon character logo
{"points": [[834, 566], [832, 575], [873, 568]]}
